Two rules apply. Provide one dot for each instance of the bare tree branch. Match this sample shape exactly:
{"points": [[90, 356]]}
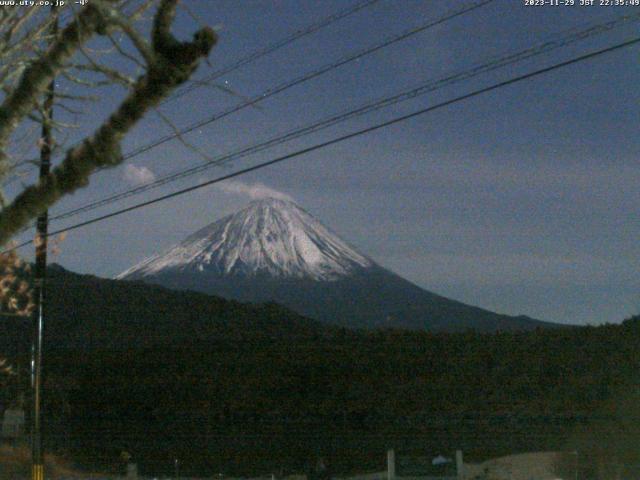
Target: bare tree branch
{"points": [[39, 74], [171, 64]]}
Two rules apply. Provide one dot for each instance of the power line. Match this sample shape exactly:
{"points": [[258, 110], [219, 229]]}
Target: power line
{"points": [[312, 28], [309, 75], [309, 29], [563, 40], [342, 138]]}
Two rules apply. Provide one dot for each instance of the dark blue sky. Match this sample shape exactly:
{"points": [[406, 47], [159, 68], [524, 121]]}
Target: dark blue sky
{"points": [[522, 201]]}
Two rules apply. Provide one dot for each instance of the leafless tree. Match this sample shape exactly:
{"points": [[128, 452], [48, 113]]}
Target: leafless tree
{"points": [[33, 54]]}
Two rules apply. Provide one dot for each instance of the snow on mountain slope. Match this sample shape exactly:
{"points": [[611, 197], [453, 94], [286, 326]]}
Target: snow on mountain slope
{"points": [[274, 251], [271, 236]]}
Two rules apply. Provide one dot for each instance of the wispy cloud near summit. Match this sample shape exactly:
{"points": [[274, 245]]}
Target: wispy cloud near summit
{"points": [[254, 191]]}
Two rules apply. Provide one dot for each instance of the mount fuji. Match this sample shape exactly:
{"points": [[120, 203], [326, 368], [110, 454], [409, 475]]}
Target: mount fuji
{"points": [[273, 250]]}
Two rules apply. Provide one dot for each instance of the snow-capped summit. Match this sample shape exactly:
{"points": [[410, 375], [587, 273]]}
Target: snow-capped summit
{"points": [[271, 237], [273, 250]]}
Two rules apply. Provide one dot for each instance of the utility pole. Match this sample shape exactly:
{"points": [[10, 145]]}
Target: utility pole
{"points": [[40, 274]]}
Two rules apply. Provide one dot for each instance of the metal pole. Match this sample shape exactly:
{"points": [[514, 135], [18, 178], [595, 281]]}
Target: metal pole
{"points": [[37, 454], [391, 464]]}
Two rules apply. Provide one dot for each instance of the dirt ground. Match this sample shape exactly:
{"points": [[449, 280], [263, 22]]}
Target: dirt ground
{"points": [[526, 466], [15, 464]]}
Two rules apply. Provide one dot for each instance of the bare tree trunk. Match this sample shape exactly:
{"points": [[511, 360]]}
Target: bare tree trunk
{"points": [[169, 64]]}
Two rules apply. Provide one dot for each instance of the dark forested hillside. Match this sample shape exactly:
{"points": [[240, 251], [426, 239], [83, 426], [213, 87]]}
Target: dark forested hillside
{"points": [[351, 396], [90, 313], [232, 388]]}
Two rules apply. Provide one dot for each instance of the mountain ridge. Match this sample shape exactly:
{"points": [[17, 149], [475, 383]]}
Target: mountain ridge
{"points": [[273, 250], [112, 314]]}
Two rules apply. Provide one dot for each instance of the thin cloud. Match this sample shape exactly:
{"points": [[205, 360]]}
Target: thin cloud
{"points": [[254, 191], [138, 175]]}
